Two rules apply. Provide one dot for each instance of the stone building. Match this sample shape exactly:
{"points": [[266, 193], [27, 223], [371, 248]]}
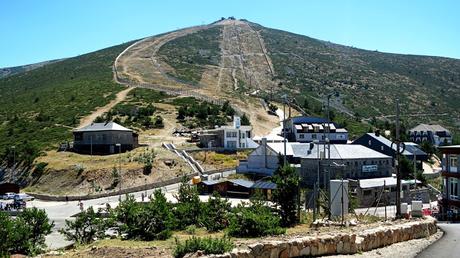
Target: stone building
{"points": [[104, 138]]}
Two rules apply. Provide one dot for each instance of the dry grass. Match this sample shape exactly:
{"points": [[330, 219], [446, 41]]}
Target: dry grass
{"points": [[213, 160]]}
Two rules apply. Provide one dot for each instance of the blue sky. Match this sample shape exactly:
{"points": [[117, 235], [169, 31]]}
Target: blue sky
{"points": [[33, 31]]}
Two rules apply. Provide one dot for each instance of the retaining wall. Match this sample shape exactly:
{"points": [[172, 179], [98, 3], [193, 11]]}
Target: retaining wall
{"points": [[342, 243]]}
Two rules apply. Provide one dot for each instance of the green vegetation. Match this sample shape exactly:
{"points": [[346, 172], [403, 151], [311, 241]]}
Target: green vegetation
{"points": [[254, 220], [367, 82], [138, 111], [219, 210], [25, 234], [189, 55], [208, 245], [194, 113], [87, 227], [286, 194], [39, 107]]}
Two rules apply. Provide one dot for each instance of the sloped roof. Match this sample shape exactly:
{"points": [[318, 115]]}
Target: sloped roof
{"points": [[111, 126], [308, 120], [345, 151], [378, 182], [242, 182], [387, 142], [429, 128], [264, 185]]}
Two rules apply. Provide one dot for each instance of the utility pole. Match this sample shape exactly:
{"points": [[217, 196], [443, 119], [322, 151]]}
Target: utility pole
{"points": [[385, 191], [398, 172], [284, 127], [14, 163], [328, 139]]}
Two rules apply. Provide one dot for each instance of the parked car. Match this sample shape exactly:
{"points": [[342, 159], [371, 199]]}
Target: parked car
{"points": [[8, 196], [23, 197]]}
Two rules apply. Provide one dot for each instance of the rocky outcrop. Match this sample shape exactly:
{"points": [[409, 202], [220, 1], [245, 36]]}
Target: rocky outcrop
{"points": [[342, 243]]}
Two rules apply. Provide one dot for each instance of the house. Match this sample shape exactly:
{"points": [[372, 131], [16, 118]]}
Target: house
{"points": [[346, 161], [382, 191], [379, 143], [232, 137], [239, 188], [435, 134], [104, 138], [263, 161], [450, 201], [309, 129]]}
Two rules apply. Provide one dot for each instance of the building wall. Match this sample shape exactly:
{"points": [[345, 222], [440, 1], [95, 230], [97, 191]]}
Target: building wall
{"points": [[104, 142], [353, 169], [236, 138], [334, 137]]}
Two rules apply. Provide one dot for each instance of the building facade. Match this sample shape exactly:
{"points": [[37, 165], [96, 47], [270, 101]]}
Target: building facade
{"points": [[346, 161], [309, 129], [435, 134], [450, 201], [104, 138], [379, 143], [232, 137]]}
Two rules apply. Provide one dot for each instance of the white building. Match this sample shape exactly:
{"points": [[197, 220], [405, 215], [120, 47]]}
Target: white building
{"points": [[309, 129], [236, 136]]}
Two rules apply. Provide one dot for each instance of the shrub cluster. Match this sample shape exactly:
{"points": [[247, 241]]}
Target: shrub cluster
{"points": [[25, 234], [208, 245]]}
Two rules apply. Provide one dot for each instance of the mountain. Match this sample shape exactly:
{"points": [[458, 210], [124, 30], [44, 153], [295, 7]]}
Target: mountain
{"points": [[233, 60], [8, 71]]}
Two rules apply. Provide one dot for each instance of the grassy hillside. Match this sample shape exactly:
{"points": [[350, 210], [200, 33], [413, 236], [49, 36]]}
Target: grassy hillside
{"points": [[424, 84], [39, 107], [189, 54]]}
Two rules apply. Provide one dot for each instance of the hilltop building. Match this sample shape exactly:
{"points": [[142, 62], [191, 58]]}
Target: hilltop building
{"points": [[104, 138], [435, 134], [450, 201], [309, 129], [232, 137]]}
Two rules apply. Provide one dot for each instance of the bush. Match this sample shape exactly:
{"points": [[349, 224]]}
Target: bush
{"points": [[26, 234], [87, 227], [215, 213], [254, 220], [189, 207], [285, 194], [208, 245], [151, 221]]}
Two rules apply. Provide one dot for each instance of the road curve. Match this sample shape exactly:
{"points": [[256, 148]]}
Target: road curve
{"points": [[446, 247]]}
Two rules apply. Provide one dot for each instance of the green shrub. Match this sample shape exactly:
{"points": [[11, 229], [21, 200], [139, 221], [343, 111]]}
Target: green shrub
{"points": [[254, 220], [215, 213], [285, 194], [208, 245], [151, 221], [87, 227], [188, 208], [25, 234]]}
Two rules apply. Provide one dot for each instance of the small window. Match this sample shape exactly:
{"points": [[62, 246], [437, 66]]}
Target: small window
{"points": [[301, 136], [370, 142], [313, 136], [381, 148]]}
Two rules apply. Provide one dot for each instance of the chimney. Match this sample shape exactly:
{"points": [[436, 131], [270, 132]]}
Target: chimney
{"points": [[377, 133]]}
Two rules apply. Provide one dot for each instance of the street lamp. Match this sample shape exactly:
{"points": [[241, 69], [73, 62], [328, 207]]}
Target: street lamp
{"points": [[119, 168]]}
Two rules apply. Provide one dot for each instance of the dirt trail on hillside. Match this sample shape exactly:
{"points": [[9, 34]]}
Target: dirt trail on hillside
{"points": [[101, 110], [244, 68]]}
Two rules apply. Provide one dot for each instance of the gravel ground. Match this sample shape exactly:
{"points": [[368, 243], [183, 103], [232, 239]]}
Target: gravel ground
{"points": [[407, 249]]}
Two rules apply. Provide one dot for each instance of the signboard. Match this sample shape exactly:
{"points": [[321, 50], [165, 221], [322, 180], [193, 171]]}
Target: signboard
{"points": [[370, 168]]}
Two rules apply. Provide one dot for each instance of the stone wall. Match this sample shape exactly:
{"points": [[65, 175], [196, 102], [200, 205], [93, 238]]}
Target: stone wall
{"points": [[342, 243]]}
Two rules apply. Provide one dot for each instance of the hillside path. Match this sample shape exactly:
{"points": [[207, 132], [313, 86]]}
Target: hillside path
{"points": [[101, 110]]}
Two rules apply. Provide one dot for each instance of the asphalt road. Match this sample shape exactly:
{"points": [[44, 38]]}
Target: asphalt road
{"points": [[448, 246]]}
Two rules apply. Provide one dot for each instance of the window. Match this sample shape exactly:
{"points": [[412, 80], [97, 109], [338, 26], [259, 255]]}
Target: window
{"points": [[453, 190], [231, 134], [313, 136], [301, 136], [231, 144], [453, 161], [381, 148], [370, 142]]}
